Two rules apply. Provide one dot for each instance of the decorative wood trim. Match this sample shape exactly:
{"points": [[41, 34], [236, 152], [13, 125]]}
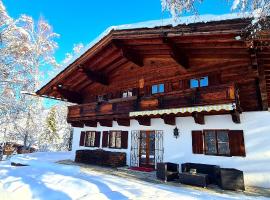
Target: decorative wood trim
{"points": [[71, 96], [262, 90], [90, 123], [123, 122], [93, 76], [105, 122], [77, 124], [130, 55], [145, 121], [177, 54], [198, 117], [169, 119]]}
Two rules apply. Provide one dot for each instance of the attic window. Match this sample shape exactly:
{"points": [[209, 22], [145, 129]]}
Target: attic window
{"points": [[127, 93], [199, 82], [159, 88]]}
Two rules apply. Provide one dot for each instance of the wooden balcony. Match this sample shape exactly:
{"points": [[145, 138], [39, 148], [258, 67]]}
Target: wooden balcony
{"points": [[119, 109]]}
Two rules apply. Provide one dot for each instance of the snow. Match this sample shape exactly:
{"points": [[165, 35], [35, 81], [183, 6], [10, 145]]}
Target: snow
{"points": [[44, 179], [150, 24]]}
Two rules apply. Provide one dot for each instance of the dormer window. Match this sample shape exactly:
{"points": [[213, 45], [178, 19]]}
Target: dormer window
{"points": [[159, 88], [127, 93], [199, 82]]}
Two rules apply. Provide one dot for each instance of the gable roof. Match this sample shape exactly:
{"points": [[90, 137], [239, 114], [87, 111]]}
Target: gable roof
{"points": [[187, 26]]}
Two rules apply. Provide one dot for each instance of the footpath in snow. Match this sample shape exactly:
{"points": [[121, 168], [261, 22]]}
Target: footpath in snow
{"points": [[45, 179]]}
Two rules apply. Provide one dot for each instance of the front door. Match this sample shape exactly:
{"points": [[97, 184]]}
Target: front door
{"points": [[147, 149]]}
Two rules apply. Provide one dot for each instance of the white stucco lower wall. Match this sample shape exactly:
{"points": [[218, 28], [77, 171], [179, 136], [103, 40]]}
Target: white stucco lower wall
{"points": [[256, 127]]}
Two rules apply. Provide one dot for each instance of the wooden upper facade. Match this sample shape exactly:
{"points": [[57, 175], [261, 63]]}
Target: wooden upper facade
{"points": [[117, 75]]}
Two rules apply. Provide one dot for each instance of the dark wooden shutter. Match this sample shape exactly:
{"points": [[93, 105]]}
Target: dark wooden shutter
{"points": [[214, 79], [237, 143], [168, 87], [147, 90], [185, 84], [82, 138], [124, 139], [97, 139], [135, 92], [105, 139], [197, 142]]}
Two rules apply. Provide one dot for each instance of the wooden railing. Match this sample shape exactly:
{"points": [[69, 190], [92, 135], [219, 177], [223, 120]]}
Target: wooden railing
{"points": [[187, 98]]}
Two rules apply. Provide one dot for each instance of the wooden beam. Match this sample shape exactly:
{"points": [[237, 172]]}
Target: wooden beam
{"points": [[71, 96], [145, 121], [93, 76], [236, 117], [91, 123], [261, 81], [105, 122], [77, 124], [198, 117], [169, 119], [123, 122], [130, 55], [177, 54]]}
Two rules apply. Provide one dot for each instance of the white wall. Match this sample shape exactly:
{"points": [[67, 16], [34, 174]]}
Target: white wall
{"points": [[256, 127]]}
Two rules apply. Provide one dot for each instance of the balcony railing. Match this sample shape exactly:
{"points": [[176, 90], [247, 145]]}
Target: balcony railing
{"points": [[123, 106]]}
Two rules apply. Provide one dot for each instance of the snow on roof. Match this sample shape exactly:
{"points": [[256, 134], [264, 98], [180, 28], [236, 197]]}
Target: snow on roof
{"points": [[152, 24]]}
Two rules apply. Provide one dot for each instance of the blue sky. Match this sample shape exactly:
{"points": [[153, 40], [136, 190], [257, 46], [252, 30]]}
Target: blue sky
{"points": [[83, 20]]}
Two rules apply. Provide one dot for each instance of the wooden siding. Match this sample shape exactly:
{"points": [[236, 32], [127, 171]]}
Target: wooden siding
{"points": [[136, 59]]}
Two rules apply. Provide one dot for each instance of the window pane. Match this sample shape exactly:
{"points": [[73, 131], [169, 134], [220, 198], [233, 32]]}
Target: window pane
{"points": [[118, 140], [124, 94], [112, 139], [154, 89], [161, 88], [194, 83], [210, 142], [129, 94], [204, 81], [92, 139], [223, 142]]}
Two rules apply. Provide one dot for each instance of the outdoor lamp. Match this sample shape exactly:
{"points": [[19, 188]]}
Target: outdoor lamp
{"points": [[176, 132]]}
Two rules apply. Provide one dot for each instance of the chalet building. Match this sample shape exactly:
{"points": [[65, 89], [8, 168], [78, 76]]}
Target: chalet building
{"points": [[196, 92]]}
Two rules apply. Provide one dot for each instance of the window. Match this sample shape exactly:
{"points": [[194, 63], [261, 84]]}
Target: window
{"points": [[159, 88], [201, 82], [216, 142], [219, 142], [90, 139], [127, 93], [115, 139]]}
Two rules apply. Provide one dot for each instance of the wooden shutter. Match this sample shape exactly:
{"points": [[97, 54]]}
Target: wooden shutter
{"points": [[147, 90], [237, 143], [214, 79], [168, 87], [185, 84], [82, 138], [97, 139], [197, 142], [105, 139], [135, 92], [124, 139]]}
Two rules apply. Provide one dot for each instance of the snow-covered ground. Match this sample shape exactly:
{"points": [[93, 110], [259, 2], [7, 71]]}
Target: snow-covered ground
{"points": [[44, 179]]}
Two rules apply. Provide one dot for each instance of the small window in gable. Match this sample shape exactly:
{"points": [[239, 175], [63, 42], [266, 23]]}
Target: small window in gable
{"points": [[194, 83], [200, 82], [204, 81], [127, 93], [159, 88]]}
